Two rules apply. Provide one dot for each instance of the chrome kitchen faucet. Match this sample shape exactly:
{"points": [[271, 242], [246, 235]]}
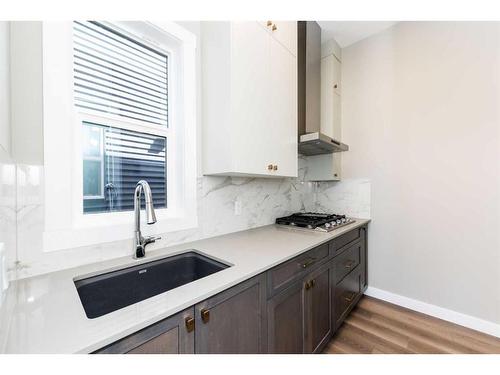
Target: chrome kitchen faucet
{"points": [[140, 242]]}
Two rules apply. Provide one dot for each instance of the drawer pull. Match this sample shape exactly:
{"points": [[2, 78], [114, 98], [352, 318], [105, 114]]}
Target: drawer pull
{"points": [[348, 265], [310, 284], [190, 324], [269, 23], [349, 298], [205, 315], [308, 262]]}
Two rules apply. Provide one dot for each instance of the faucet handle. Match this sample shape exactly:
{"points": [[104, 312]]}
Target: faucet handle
{"points": [[151, 239]]}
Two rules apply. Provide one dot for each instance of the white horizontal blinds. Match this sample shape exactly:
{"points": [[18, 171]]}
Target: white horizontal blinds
{"points": [[134, 145], [117, 75]]}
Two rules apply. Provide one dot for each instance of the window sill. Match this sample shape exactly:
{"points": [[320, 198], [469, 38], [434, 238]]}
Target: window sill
{"points": [[87, 235]]}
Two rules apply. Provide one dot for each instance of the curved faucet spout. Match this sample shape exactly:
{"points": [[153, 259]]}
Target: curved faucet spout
{"points": [[139, 241]]}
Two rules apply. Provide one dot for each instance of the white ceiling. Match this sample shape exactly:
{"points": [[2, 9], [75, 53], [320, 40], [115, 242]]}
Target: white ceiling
{"points": [[349, 32]]}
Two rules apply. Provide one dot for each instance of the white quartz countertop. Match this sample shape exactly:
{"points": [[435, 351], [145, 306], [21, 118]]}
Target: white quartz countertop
{"points": [[44, 313]]}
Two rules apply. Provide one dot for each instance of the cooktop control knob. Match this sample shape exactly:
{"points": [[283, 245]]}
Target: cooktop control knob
{"points": [[327, 225]]}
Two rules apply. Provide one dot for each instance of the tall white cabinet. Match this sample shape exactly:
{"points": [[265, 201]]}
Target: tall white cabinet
{"points": [[249, 98], [5, 87], [327, 167]]}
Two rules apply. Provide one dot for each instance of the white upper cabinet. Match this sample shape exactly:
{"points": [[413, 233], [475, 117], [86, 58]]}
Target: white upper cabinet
{"points": [[249, 101], [327, 167], [4, 87], [330, 97]]}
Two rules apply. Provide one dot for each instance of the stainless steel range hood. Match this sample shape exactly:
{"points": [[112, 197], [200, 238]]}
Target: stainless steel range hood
{"points": [[311, 140]]}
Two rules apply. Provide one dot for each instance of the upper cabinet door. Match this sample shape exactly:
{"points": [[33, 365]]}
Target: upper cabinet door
{"points": [[250, 100], [285, 32], [250, 111], [283, 102], [330, 96]]}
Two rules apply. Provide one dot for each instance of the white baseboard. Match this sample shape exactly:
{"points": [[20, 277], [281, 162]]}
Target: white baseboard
{"points": [[436, 311]]}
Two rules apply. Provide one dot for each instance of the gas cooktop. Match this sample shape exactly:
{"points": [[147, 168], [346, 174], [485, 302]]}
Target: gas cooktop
{"points": [[315, 221]]}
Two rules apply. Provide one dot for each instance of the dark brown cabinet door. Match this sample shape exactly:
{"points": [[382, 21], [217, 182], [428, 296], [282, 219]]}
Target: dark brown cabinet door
{"points": [[346, 294], [286, 320], [318, 322], [174, 335], [233, 321]]}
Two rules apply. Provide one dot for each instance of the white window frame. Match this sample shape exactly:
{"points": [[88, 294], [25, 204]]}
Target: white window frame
{"points": [[101, 160], [66, 226]]}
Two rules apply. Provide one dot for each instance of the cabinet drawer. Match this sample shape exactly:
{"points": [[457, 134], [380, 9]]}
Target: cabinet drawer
{"points": [[346, 294], [351, 236], [347, 261], [281, 276]]}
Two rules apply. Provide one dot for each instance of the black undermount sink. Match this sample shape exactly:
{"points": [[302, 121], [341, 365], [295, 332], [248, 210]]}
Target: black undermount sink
{"points": [[114, 290]]}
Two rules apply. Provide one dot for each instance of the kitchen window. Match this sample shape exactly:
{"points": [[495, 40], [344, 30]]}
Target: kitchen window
{"points": [[129, 90], [116, 76]]}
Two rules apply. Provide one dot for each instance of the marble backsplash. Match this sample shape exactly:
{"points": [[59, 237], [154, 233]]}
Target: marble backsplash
{"points": [[261, 201], [7, 216]]}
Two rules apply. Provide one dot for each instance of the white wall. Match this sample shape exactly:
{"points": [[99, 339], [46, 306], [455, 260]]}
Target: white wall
{"points": [[5, 87], [26, 92], [421, 111], [7, 168]]}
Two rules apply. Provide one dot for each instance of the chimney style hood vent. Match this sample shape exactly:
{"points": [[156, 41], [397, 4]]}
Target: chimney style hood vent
{"points": [[311, 140]]}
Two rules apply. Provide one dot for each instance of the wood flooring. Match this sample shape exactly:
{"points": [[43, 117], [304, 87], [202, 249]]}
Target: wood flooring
{"points": [[378, 327]]}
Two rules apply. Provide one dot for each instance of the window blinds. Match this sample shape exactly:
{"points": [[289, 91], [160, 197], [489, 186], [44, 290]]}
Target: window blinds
{"points": [[117, 75]]}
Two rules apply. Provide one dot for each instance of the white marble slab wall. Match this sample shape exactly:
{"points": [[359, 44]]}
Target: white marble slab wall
{"points": [[260, 200], [8, 214], [349, 197]]}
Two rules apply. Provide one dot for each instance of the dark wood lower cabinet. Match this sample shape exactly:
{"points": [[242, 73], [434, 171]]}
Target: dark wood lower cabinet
{"points": [[318, 309], [346, 294], [169, 336], [285, 320], [293, 308], [233, 321]]}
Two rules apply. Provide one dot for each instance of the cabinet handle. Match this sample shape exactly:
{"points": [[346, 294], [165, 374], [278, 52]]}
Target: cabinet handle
{"points": [[308, 263], [205, 315], [274, 28], [190, 324], [349, 264], [308, 285], [313, 283], [269, 23], [349, 298], [275, 167], [335, 86], [270, 167]]}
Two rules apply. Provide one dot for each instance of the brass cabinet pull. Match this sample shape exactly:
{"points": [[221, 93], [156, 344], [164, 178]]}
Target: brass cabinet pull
{"points": [[205, 315], [308, 263], [270, 167], [190, 324], [274, 28], [275, 167], [310, 284], [349, 298], [335, 86], [348, 265], [269, 23]]}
